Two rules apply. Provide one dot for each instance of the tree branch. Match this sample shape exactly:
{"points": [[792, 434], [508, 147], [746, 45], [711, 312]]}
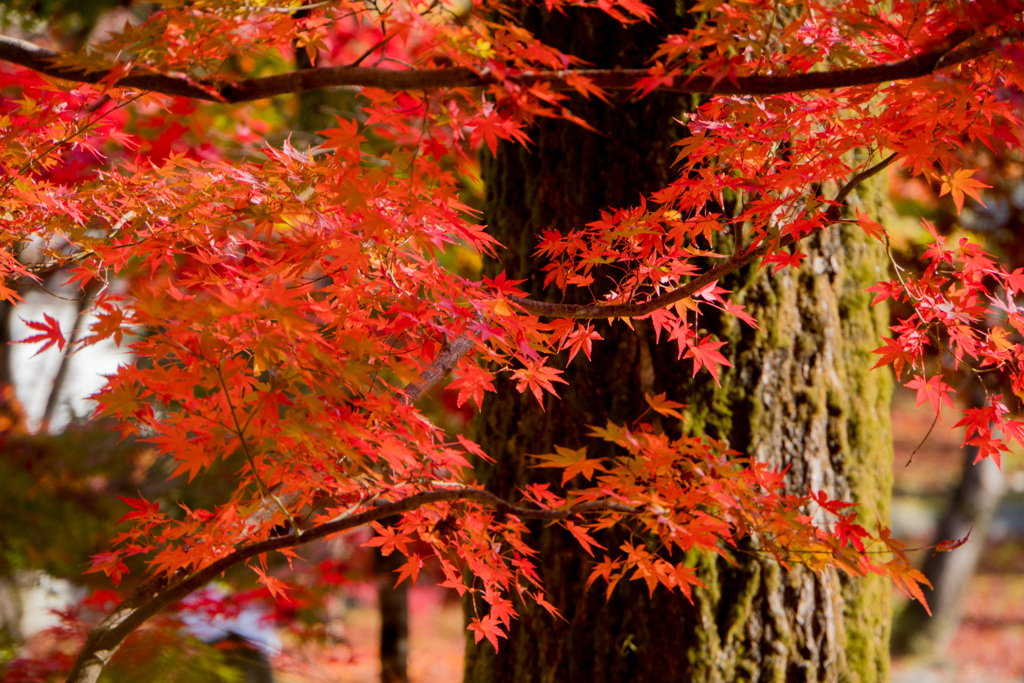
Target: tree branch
{"points": [[444, 363], [734, 262], [160, 592], [50, 63]]}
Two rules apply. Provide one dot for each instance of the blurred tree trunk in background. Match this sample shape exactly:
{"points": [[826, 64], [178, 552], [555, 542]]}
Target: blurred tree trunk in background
{"points": [[394, 620], [971, 509], [800, 396], [12, 419]]}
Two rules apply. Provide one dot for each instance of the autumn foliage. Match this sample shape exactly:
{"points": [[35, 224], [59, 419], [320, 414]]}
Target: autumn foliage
{"points": [[288, 305]]}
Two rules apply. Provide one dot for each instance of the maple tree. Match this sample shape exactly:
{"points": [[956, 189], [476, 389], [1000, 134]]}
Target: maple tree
{"points": [[288, 307]]}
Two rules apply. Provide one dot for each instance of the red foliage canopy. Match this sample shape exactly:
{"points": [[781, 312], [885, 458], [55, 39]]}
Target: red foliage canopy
{"points": [[288, 307]]}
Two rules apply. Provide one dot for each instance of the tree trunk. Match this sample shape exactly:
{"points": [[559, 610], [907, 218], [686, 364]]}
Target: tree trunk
{"points": [[800, 395], [12, 416], [394, 620]]}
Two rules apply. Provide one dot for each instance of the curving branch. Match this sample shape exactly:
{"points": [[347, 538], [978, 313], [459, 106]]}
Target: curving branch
{"points": [[956, 50], [739, 259], [159, 592]]}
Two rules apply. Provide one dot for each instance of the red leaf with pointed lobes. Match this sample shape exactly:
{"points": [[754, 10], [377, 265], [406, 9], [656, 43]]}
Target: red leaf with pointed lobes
{"points": [[389, 539], [537, 378], [585, 539], [636, 8], [49, 332], [657, 78], [909, 581], [892, 353], [277, 588], [886, 290], [610, 571], [573, 461], [487, 627], [585, 86], [110, 564], [410, 569], [829, 504], [848, 532], [143, 509], [580, 339], [8, 294], [345, 138], [663, 406], [1015, 280], [780, 260], [505, 286], [472, 382], [473, 448], [705, 354], [933, 390], [960, 183], [685, 579], [738, 310], [871, 228]]}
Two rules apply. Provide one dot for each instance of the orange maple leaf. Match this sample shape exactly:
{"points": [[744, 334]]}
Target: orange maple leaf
{"points": [[574, 461], [538, 379], [960, 183]]}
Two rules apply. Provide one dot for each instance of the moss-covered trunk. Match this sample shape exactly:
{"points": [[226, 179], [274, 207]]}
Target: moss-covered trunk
{"points": [[800, 395]]}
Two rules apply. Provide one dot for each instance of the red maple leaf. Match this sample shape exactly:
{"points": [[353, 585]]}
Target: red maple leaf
{"points": [[49, 332], [705, 354]]}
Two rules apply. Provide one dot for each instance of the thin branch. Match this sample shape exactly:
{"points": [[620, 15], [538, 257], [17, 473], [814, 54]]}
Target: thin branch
{"points": [[160, 592], [638, 310], [240, 433], [50, 63], [738, 260], [444, 363], [53, 398], [867, 173]]}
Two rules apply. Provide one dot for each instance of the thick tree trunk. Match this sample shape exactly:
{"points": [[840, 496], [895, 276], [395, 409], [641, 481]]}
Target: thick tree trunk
{"points": [[799, 396]]}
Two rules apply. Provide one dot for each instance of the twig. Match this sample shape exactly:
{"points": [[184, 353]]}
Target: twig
{"points": [[81, 306], [446, 360]]}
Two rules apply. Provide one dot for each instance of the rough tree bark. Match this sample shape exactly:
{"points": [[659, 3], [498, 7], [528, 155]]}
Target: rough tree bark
{"points": [[800, 395]]}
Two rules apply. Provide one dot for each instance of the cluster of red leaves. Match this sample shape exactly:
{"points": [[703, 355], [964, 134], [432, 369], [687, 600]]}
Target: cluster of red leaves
{"points": [[964, 307], [284, 307]]}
